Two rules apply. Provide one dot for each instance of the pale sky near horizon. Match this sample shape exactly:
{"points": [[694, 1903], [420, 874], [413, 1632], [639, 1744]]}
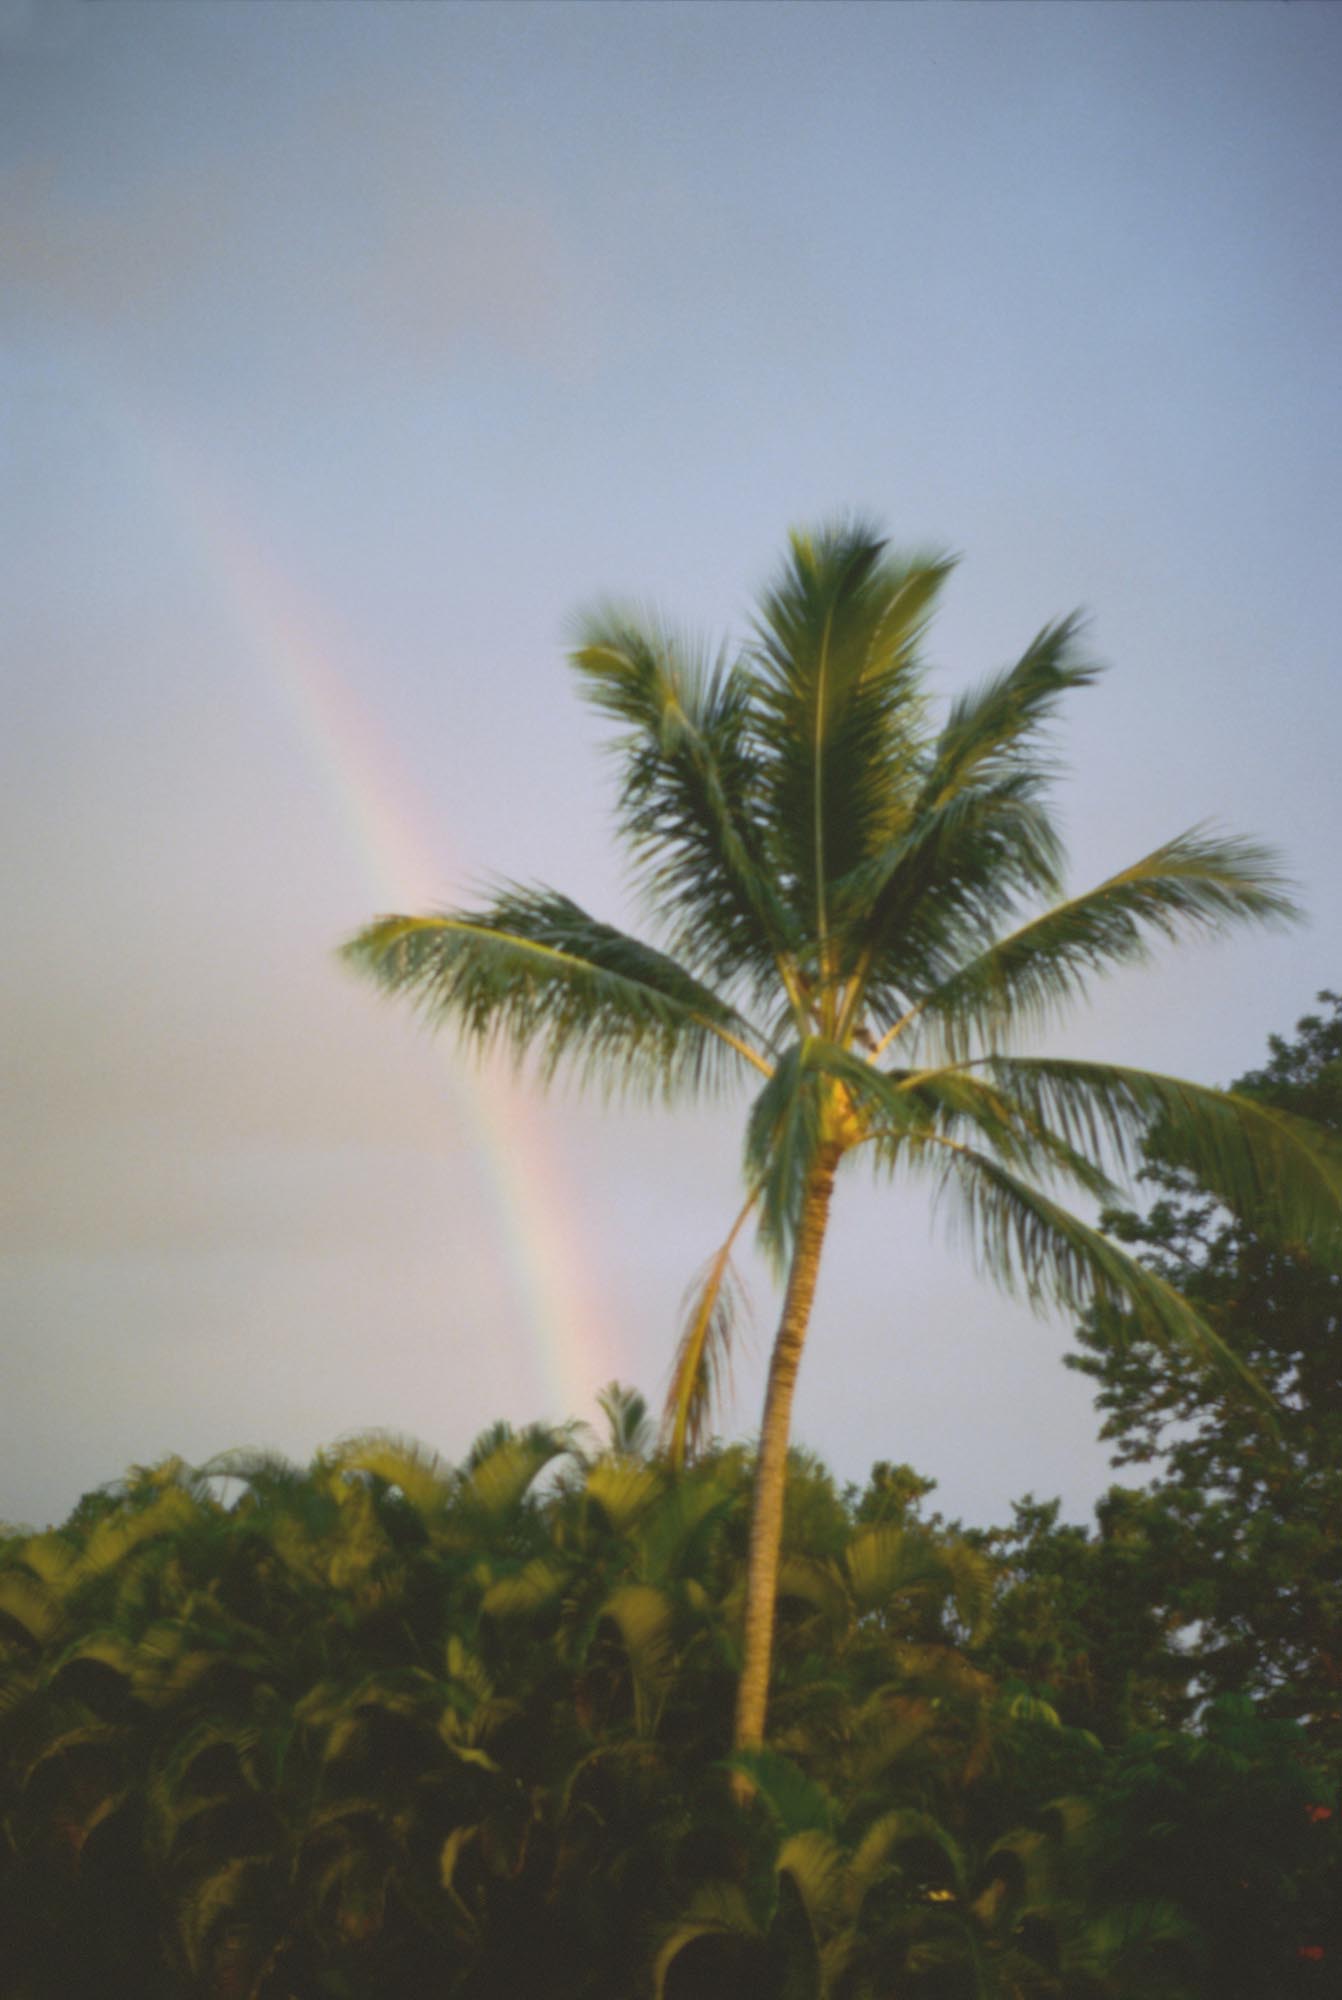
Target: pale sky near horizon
{"points": [[347, 351]]}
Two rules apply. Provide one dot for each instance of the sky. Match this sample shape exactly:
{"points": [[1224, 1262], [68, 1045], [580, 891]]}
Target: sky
{"points": [[346, 352]]}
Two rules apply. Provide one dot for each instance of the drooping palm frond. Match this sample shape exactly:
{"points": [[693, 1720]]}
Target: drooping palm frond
{"points": [[783, 1135], [1284, 1170], [1034, 1247], [715, 1304], [413, 1468], [495, 1483], [1196, 883], [962, 1103], [536, 975], [688, 806]]}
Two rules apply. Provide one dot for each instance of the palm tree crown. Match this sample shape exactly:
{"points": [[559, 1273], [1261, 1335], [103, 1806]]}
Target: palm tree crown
{"points": [[859, 910]]}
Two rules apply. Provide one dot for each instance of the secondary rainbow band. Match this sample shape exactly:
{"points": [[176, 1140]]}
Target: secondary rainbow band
{"points": [[539, 1240]]}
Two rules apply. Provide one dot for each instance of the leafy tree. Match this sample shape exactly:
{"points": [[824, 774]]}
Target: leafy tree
{"points": [[1242, 1526], [834, 880]]}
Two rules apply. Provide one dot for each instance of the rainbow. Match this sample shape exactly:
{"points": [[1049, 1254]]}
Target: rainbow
{"points": [[566, 1322]]}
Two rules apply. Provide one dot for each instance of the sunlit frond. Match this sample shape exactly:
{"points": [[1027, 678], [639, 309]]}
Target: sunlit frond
{"points": [[414, 1469], [498, 1482]]}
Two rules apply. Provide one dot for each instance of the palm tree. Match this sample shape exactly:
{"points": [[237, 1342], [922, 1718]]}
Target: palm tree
{"points": [[858, 912]]}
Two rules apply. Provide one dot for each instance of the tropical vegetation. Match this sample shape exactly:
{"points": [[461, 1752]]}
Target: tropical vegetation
{"points": [[383, 1725]]}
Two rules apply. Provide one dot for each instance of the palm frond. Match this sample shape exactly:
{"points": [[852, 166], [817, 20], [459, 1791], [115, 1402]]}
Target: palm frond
{"points": [[956, 1102], [1196, 883], [1283, 1171], [941, 889], [414, 1469], [991, 727], [538, 976], [624, 1490], [714, 1307], [688, 804], [1037, 1249], [783, 1134], [838, 709], [497, 1482]]}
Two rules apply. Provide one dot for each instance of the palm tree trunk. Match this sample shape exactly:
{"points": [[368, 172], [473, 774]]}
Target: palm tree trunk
{"points": [[766, 1519]]}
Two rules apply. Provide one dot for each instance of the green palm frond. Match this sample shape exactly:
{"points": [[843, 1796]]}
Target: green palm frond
{"points": [[887, 1563], [536, 975], [940, 890], [688, 806], [815, 1861], [991, 728], [644, 1619], [498, 1482], [838, 710], [1196, 883], [1284, 1170], [919, 1838], [714, 1307], [977, 839], [959, 1103], [1033, 1246], [783, 1134], [796, 1803], [536, 1584], [717, 1911], [414, 1469], [623, 1490]]}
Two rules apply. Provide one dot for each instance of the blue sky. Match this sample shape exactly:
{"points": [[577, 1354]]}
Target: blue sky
{"points": [[345, 352]]}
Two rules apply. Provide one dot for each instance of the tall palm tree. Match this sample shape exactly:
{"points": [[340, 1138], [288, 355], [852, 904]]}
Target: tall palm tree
{"points": [[858, 910]]}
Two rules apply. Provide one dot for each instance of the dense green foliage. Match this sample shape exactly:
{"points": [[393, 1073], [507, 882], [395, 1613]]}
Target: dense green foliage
{"points": [[1242, 1525], [384, 1727]]}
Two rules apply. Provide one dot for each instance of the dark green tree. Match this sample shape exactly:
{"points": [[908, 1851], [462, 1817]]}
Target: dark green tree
{"points": [[1242, 1523]]}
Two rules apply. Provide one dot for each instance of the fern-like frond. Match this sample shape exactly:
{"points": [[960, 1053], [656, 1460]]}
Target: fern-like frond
{"points": [[537, 976]]}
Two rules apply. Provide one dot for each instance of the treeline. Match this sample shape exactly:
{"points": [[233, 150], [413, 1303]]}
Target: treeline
{"points": [[384, 1726]]}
